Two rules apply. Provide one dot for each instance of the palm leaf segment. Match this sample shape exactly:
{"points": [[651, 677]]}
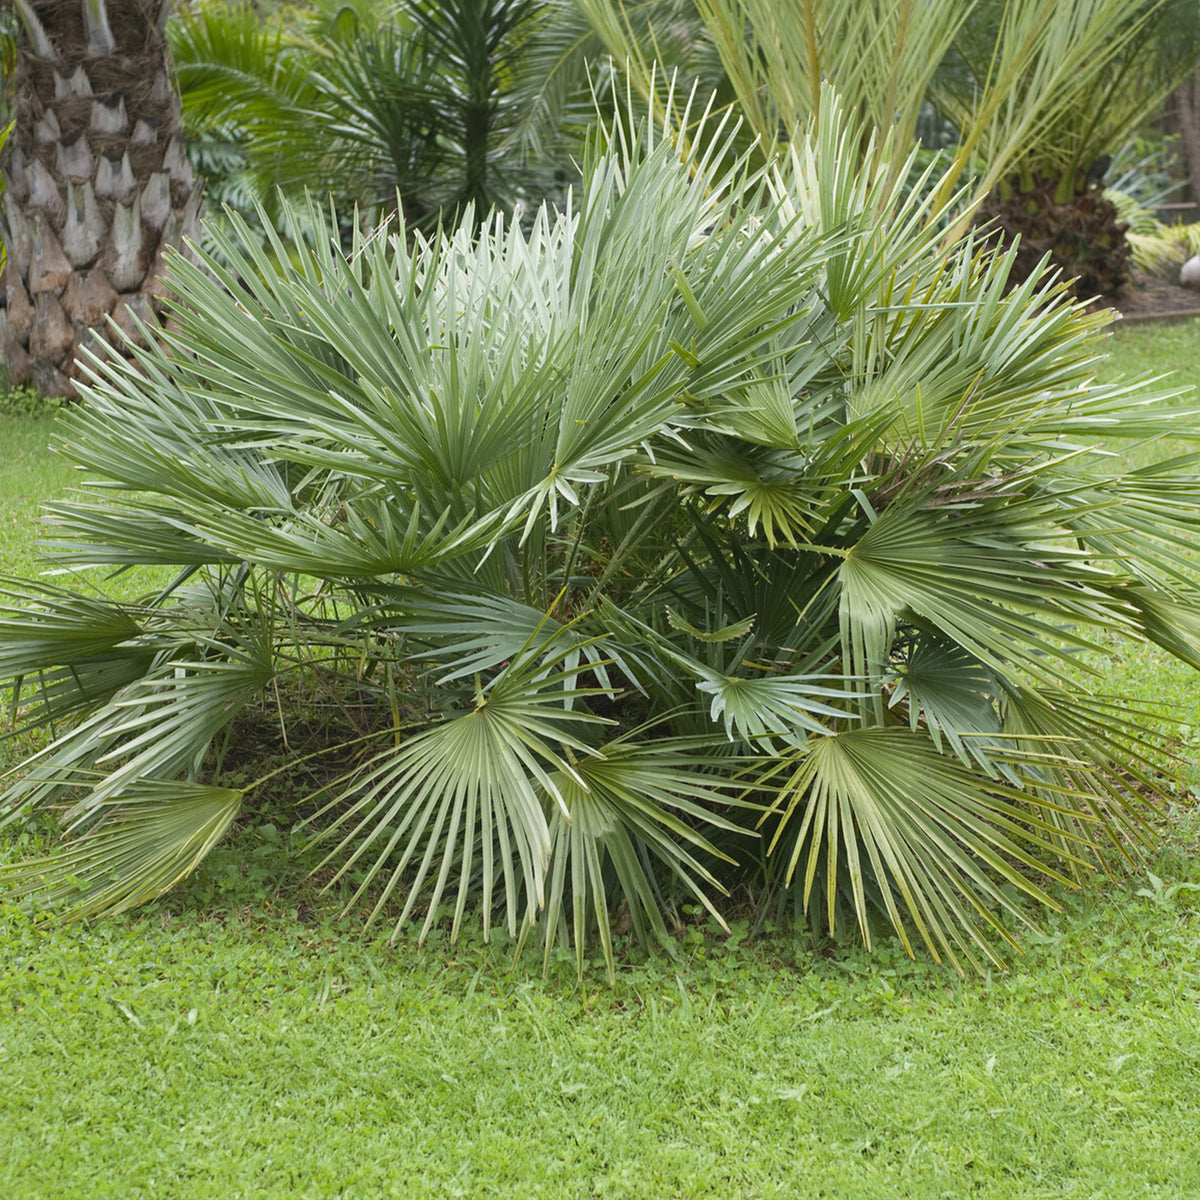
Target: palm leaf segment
{"points": [[721, 507]]}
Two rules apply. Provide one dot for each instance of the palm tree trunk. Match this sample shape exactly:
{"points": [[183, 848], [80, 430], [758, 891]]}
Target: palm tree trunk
{"points": [[1187, 108], [96, 185]]}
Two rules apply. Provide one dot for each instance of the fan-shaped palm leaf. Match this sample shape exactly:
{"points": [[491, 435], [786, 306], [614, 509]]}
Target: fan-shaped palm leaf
{"points": [[902, 815], [141, 843]]}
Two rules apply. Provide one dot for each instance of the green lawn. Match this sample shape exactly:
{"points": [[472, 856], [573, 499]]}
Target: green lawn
{"points": [[215, 1045], [29, 476], [238, 1038]]}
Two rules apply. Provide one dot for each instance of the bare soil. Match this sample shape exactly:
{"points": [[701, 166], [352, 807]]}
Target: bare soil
{"points": [[1148, 298]]}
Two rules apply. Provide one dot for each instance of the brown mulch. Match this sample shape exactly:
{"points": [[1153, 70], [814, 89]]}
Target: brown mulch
{"points": [[1147, 299]]}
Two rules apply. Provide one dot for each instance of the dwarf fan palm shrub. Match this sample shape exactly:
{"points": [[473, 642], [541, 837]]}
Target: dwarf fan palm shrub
{"points": [[720, 532]]}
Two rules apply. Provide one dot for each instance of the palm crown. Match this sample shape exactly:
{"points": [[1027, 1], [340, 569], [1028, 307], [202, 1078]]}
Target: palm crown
{"points": [[719, 531]]}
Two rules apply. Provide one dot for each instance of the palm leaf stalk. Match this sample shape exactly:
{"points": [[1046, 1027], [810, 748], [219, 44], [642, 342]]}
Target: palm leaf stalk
{"points": [[720, 532]]}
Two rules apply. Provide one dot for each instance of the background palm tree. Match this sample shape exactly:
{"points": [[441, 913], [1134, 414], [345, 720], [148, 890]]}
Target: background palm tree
{"points": [[1037, 92], [1050, 194], [451, 105], [96, 183]]}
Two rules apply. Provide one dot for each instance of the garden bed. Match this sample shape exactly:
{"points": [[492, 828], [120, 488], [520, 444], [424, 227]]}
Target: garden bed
{"points": [[1151, 299]]}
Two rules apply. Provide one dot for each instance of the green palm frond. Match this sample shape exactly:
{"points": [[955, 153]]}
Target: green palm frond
{"points": [[466, 792], [785, 706], [629, 807], [769, 489], [933, 843], [1005, 600], [158, 725], [952, 694], [463, 634], [1169, 621], [1092, 751], [67, 626], [140, 844]]}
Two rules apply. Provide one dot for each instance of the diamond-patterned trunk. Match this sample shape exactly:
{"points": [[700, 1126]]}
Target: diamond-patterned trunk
{"points": [[96, 186]]}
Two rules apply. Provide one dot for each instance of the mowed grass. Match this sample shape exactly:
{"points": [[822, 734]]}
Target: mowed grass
{"points": [[29, 475], [241, 1038], [222, 1047]]}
